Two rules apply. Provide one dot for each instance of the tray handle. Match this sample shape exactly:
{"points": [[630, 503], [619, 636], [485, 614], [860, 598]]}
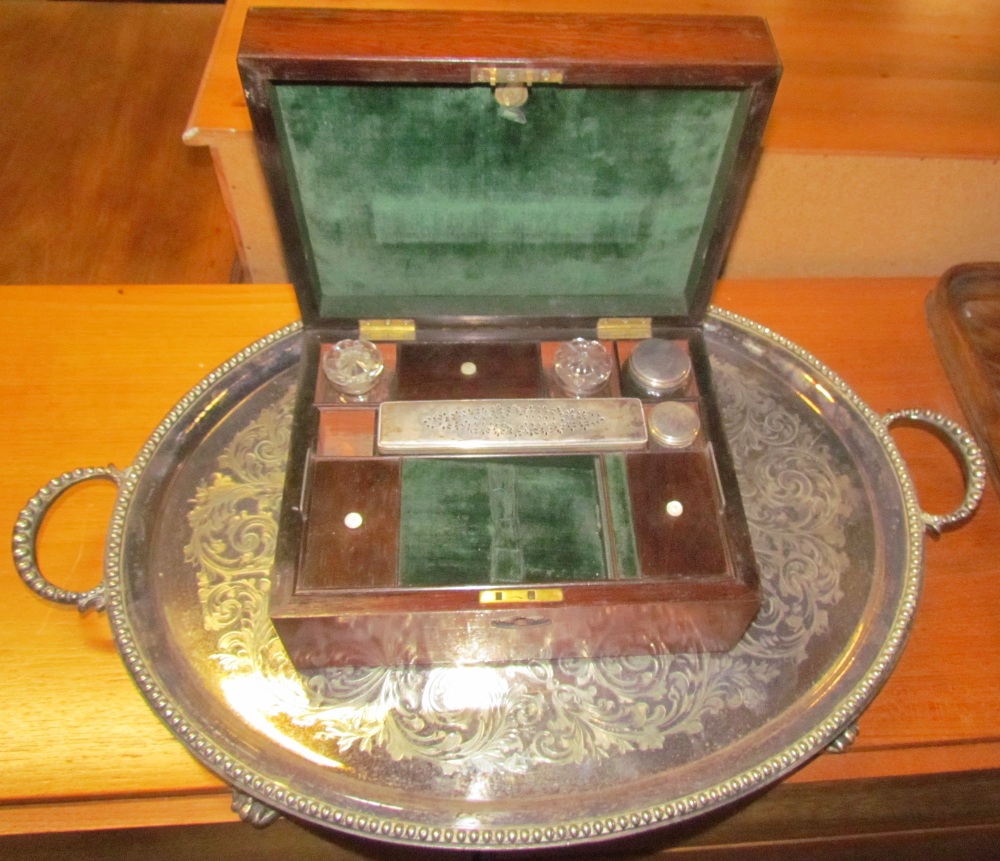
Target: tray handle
{"points": [[969, 453], [26, 528]]}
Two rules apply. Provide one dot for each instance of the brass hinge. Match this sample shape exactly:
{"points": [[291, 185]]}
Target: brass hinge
{"points": [[624, 328], [387, 330]]}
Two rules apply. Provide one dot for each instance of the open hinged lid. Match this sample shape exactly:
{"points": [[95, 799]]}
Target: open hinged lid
{"points": [[435, 165]]}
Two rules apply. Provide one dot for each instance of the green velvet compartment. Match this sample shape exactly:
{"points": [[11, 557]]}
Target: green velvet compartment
{"points": [[620, 506], [423, 201], [493, 521]]}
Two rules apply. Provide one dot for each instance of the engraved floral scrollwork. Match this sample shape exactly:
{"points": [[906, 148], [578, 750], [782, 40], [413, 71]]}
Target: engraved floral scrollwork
{"points": [[483, 720], [797, 506], [233, 530]]}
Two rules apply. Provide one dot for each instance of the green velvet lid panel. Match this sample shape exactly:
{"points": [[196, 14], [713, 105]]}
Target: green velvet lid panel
{"points": [[420, 201]]}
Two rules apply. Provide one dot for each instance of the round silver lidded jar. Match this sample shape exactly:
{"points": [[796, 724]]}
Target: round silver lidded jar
{"points": [[674, 424], [659, 367]]}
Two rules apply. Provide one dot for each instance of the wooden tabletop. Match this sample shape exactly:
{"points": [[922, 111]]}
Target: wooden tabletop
{"points": [[870, 76], [87, 372], [96, 185]]}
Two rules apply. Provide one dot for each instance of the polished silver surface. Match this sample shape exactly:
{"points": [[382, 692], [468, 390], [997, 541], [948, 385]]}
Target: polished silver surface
{"points": [[537, 754], [674, 424], [25, 539], [659, 367], [971, 456], [510, 426]]}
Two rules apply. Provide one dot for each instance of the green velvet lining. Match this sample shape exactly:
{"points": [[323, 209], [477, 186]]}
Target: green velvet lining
{"points": [[499, 521], [417, 200], [620, 506]]}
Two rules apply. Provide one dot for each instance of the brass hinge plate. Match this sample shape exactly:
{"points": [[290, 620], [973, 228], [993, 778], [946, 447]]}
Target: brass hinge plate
{"points": [[624, 328], [387, 330]]}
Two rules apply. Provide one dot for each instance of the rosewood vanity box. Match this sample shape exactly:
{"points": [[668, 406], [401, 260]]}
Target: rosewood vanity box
{"points": [[504, 232]]}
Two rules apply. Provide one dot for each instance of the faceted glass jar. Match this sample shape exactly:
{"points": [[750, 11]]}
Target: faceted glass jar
{"points": [[582, 367], [353, 366]]}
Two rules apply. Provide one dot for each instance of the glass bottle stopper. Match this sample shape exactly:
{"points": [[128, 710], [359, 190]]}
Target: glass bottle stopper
{"points": [[582, 367], [353, 366]]}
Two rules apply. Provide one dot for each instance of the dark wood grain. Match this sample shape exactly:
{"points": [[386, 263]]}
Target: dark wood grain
{"points": [[335, 554], [449, 48], [438, 46], [691, 544], [712, 596], [434, 371]]}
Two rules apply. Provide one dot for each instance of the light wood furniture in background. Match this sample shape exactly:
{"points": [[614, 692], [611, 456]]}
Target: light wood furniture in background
{"points": [[95, 183], [881, 156]]}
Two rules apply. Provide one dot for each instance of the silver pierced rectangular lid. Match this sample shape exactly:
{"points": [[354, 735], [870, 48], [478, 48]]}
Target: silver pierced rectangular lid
{"points": [[510, 426]]}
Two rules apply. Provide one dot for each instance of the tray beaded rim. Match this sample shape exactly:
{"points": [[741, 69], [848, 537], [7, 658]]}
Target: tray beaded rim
{"points": [[256, 790]]}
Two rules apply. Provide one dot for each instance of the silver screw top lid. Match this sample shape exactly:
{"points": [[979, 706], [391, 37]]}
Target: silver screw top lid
{"points": [[659, 366], [674, 424]]}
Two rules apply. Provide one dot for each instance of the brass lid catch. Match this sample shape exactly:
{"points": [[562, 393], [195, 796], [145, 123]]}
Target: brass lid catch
{"points": [[521, 596], [515, 76], [510, 86]]}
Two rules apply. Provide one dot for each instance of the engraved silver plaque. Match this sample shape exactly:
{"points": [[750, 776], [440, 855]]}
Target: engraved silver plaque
{"points": [[510, 426]]}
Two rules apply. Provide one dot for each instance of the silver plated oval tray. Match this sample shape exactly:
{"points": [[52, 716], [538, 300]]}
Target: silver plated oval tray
{"points": [[527, 755]]}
